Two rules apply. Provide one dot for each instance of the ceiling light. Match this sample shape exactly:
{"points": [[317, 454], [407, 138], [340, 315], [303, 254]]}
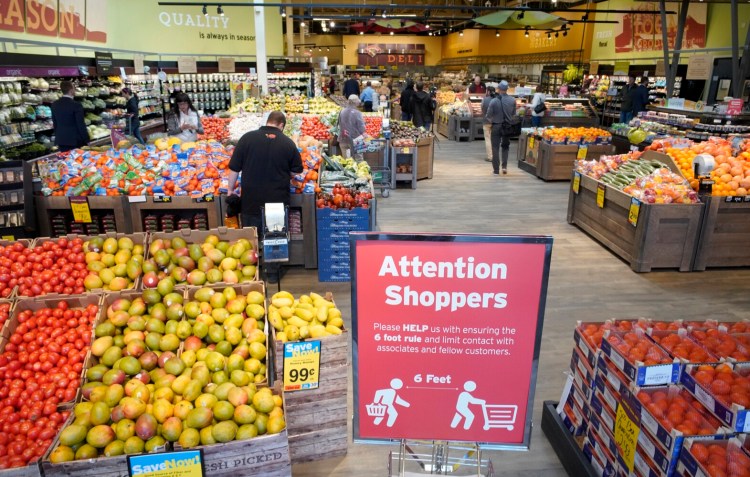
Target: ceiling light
{"points": [[205, 10], [565, 32], [302, 23], [344, 48], [549, 35], [585, 17], [557, 34], [283, 12], [383, 15], [497, 33], [332, 24], [427, 26], [361, 33], [320, 49], [391, 33], [430, 34], [427, 14], [297, 50], [526, 34], [220, 11], [374, 13], [461, 33]]}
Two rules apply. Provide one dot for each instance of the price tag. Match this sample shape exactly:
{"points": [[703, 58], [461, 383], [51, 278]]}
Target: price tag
{"points": [[80, 208], [634, 148], [627, 429], [531, 142], [301, 365], [188, 463], [405, 150], [600, 195], [576, 182], [205, 198], [9, 237], [162, 198], [635, 209], [582, 152]]}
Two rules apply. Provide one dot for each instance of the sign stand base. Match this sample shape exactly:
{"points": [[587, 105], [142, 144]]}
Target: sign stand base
{"points": [[418, 457]]}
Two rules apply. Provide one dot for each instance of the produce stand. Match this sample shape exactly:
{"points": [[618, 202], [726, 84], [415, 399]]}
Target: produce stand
{"points": [[665, 235], [441, 124], [58, 208], [477, 128], [527, 156], [556, 160], [723, 235], [425, 157], [460, 127], [404, 158]]}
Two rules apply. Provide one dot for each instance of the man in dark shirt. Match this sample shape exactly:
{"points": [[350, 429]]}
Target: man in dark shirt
{"points": [[267, 159], [351, 86], [501, 109], [67, 120], [639, 97], [477, 87], [626, 102]]}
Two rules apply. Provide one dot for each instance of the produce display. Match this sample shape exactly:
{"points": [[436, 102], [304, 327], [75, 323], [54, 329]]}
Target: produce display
{"points": [[51, 266], [680, 346], [445, 97], [722, 344], [215, 128], [318, 126], [312, 156], [456, 108], [309, 316], [638, 348], [243, 123], [679, 411], [662, 187], [373, 124], [207, 395], [405, 134], [40, 367], [174, 262], [113, 264], [731, 175], [720, 458], [344, 184], [249, 105], [728, 386], [581, 136]]}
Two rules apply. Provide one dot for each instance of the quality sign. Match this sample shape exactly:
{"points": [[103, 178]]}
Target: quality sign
{"points": [[446, 335], [167, 464]]}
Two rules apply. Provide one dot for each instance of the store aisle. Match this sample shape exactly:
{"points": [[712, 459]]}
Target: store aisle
{"points": [[587, 282]]}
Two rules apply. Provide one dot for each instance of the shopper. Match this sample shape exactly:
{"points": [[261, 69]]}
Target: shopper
{"points": [[367, 97], [502, 108], [184, 122], [332, 86], [385, 90], [405, 101], [131, 109], [421, 107], [639, 97], [351, 126], [486, 124], [67, 120], [351, 86], [477, 87], [267, 160], [626, 101], [539, 98]]}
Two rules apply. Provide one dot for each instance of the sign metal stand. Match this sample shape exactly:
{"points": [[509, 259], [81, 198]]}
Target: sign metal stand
{"points": [[438, 458]]}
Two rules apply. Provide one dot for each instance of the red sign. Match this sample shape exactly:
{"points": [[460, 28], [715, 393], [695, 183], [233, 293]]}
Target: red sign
{"points": [[390, 54], [447, 332], [642, 32], [63, 18], [734, 106]]}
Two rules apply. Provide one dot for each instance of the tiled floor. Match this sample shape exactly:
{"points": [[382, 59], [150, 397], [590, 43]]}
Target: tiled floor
{"points": [[587, 282]]}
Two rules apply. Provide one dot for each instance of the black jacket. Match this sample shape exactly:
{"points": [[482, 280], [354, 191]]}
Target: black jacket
{"points": [[351, 86], [131, 107], [405, 101], [421, 108], [67, 119]]}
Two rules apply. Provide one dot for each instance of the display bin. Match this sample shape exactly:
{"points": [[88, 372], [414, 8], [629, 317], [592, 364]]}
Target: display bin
{"points": [[49, 206], [408, 156], [425, 157], [180, 206], [734, 416], [665, 235], [303, 249], [528, 152], [31, 470], [724, 233], [477, 128], [555, 161], [459, 128], [333, 227]]}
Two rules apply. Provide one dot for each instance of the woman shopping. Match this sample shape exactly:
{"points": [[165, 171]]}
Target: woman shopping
{"points": [[131, 108], [538, 107], [184, 123]]}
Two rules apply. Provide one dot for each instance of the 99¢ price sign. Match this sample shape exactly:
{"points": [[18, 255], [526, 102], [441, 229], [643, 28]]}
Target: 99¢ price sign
{"points": [[301, 365]]}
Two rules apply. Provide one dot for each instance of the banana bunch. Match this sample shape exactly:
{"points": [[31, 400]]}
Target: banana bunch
{"points": [[310, 316]]}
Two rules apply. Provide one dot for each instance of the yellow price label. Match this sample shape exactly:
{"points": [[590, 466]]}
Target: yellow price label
{"points": [[367, 67], [80, 208], [600, 195], [405, 150], [626, 433], [531, 142], [635, 209], [582, 152], [301, 365], [9, 237], [576, 182]]}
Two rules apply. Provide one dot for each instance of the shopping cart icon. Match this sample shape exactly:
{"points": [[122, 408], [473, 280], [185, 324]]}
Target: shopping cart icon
{"points": [[499, 415], [376, 410]]}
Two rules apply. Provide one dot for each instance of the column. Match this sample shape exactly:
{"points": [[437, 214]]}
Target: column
{"points": [[260, 47]]}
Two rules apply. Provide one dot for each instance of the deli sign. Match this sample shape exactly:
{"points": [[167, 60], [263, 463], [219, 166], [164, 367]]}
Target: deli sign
{"points": [[390, 54], [56, 18]]}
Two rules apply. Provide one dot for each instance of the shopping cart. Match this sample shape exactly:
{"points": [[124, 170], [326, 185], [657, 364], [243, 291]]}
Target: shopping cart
{"points": [[499, 415], [381, 178], [376, 410]]}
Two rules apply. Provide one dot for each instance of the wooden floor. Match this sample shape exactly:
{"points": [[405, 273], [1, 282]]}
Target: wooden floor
{"points": [[587, 282]]}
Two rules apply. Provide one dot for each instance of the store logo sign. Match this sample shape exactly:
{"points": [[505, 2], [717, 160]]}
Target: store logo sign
{"points": [[193, 20]]}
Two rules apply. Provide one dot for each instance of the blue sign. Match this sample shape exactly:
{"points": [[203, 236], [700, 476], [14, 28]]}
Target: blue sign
{"points": [[187, 463]]}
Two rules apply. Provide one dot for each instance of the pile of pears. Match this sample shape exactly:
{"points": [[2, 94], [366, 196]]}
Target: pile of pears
{"points": [[113, 264], [174, 371], [310, 316], [213, 261]]}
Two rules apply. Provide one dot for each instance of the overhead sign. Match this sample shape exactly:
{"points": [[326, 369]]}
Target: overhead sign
{"points": [[279, 64], [621, 68], [370, 54], [103, 63], [641, 30], [431, 314], [699, 67], [226, 65], [660, 69], [187, 64], [138, 64]]}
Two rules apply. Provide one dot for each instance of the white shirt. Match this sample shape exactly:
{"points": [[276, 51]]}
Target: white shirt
{"points": [[192, 119], [538, 98]]}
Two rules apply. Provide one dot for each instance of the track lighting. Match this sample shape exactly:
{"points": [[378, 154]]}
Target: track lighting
{"points": [[283, 12], [332, 24], [427, 26], [585, 17], [220, 11], [526, 34], [461, 33], [361, 33], [320, 49], [565, 32], [205, 10], [373, 13], [520, 15], [427, 14], [497, 33], [297, 50], [328, 49], [557, 34], [383, 15], [302, 24], [391, 33], [549, 35]]}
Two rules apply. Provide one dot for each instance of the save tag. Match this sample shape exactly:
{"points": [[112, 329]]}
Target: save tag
{"points": [[80, 208], [576, 182], [627, 430], [205, 198], [301, 365], [600, 195], [9, 237], [582, 152], [635, 209], [162, 198], [531, 142]]}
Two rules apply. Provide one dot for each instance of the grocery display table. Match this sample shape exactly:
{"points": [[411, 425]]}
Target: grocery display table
{"points": [[724, 233], [528, 152], [407, 156], [425, 157], [665, 235], [460, 127], [555, 161]]}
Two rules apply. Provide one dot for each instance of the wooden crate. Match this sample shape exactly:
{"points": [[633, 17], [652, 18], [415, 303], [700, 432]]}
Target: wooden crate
{"points": [[334, 351], [724, 233], [47, 205], [266, 455], [425, 156], [666, 235], [321, 444], [556, 160], [141, 206], [33, 470], [525, 163]]}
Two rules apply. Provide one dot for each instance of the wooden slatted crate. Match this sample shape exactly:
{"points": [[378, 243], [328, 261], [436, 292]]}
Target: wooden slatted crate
{"points": [[724, 233], [556, 160]]}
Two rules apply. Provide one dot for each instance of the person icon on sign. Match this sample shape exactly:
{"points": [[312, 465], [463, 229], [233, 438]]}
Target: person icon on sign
{"points": [[389, 398], [465, 399]]}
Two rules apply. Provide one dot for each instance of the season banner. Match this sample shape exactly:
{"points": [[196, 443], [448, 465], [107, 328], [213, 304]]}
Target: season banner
{"points": [[446, 336], [640, 32]]}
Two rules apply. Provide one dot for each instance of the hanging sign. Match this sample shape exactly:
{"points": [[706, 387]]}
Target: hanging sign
{"points": [[103, 63], [600, 195], [279, 64], [187, 64], [576, 182], [734, 106], [226, 65], [80, 207], [699, 67], [301, 365], [138, 64], [660, 69], [188, 463], [622, 68], [430, 314], [594, 67], [634, 211]]}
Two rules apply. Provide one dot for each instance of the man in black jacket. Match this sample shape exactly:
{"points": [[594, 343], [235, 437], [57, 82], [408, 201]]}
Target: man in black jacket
{"points": [[351, 86], [421, 107], [405, 101], [67, 120]]}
